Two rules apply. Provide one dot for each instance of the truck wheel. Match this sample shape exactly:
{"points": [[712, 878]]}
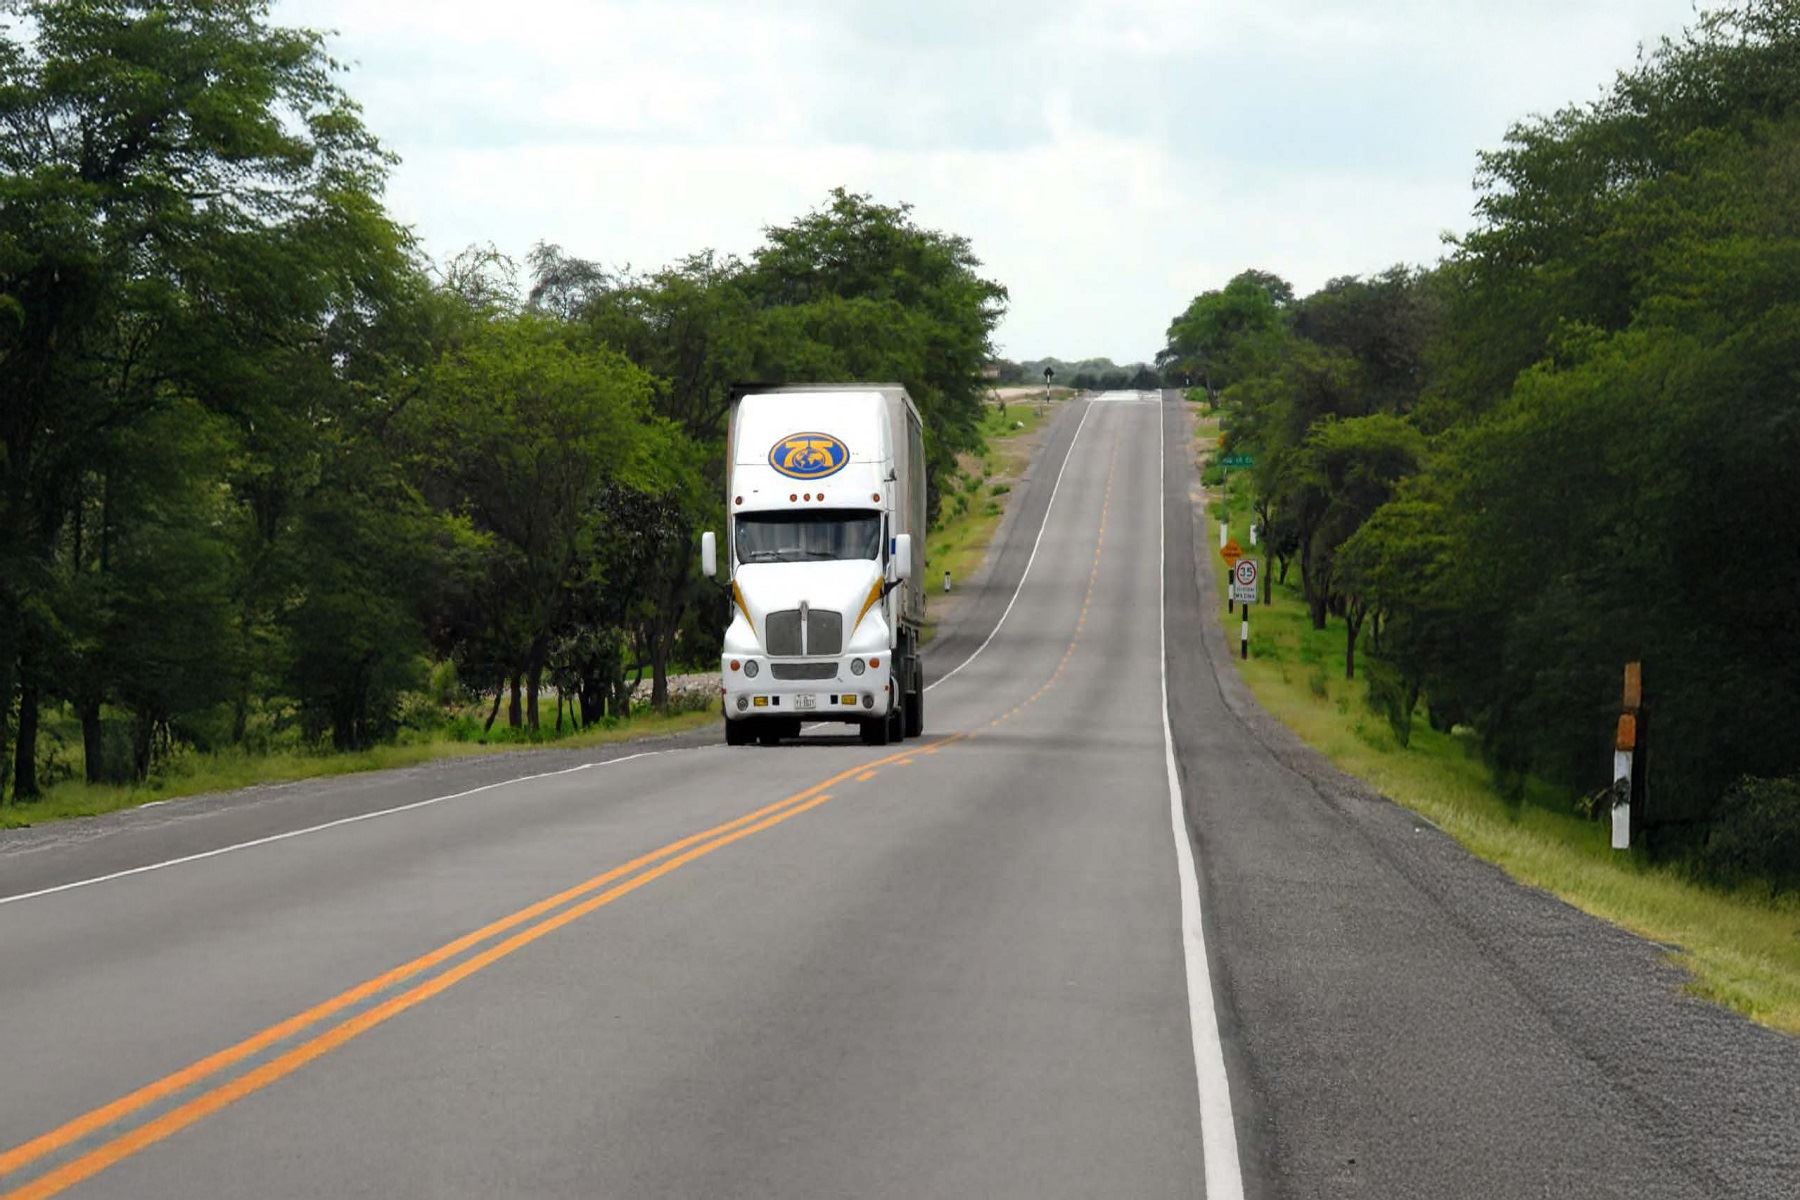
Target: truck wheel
{"points": [[915, 703], [769, 735], [877, 731], [737, 733]]}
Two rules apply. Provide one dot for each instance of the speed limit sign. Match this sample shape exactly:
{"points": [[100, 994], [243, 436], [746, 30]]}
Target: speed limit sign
{"points": [[1243, 581]]}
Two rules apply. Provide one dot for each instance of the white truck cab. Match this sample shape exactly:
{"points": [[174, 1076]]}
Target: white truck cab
{"points": [[825, 504]]}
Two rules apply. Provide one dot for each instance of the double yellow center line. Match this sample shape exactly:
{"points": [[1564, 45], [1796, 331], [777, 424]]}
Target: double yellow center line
{"points": [[523, 927], [530, 923]]}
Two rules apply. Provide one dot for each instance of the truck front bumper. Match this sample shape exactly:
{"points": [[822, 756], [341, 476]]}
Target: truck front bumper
{"points": [[841, 695]]}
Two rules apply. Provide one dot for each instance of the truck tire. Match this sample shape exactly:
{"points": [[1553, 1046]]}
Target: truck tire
{"points": [[738, 733], [877, 731], [915, 701]]}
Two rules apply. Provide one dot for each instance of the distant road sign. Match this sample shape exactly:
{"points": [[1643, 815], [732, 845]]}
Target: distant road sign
{"points": [[1231, 552], [1237, 460], [1243, 581]]}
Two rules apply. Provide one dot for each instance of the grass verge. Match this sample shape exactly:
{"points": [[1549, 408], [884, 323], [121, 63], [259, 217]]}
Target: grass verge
{"points": [[192, 774], [975, 498], [1741, 949]]}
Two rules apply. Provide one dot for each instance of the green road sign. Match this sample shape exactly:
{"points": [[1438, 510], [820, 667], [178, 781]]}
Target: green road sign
{"points": [[1237, 460]]}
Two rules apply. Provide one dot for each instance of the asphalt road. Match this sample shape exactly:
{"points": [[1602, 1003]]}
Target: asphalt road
{"points": [[976, 964]]}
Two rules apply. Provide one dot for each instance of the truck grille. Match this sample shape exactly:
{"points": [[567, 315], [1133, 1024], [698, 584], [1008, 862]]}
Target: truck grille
{"points": [[782, 632], [824, 631], [804, 670]]}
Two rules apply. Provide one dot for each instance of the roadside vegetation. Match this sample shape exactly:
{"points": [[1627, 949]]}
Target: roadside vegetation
{"points": [[1493, 482], [1741, 944], [280, 495], [187, 771], [977, 493]]}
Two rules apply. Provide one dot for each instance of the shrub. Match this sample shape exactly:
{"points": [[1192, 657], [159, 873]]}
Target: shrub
{"points": [[443, 686], [1315, 680], [1755, 834], [418, 710], [1391, 696]]}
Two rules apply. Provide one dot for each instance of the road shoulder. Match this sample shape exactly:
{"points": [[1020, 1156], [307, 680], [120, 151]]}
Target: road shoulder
{"points": [[1611, 1002]]}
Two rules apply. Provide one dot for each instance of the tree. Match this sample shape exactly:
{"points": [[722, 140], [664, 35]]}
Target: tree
{"points": [[692, 326], [857, 290], [1215, 338], [184, 194], [519, 431]]}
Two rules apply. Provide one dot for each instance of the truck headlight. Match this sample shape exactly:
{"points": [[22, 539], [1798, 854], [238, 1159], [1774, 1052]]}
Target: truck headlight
{"points": [[751, 669], [856, 666]]}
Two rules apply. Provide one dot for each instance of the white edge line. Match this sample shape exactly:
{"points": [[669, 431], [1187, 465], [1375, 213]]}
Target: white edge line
{"points": [[1218, 1131], [293, 833], [1036, 542], [385, 812]]}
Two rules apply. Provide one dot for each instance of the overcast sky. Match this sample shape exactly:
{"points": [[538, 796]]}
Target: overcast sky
{"points": [[1107, 160]]}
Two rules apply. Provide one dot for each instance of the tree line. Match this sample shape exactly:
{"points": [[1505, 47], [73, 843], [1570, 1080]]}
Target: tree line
{"points": [[1572, 443], [267, 466], [1088, 374]]}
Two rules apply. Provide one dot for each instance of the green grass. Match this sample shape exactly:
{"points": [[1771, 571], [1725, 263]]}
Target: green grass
{"points": [[190, 774], [1741, 949], [960, 542]]}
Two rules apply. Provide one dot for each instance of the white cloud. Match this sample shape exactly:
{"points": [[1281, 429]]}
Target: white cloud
{"points": [[1107, 159]]}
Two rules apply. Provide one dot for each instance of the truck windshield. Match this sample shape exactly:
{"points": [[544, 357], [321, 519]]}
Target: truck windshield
{"points": [[808, 536]]}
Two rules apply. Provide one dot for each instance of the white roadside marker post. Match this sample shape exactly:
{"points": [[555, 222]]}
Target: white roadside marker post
{"points": [[946, 583], [1621, 788], [1244, 635], [1625, 748]]}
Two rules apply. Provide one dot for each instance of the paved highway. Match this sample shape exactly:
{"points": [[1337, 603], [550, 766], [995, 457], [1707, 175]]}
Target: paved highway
{"points": [[1081, 940]]}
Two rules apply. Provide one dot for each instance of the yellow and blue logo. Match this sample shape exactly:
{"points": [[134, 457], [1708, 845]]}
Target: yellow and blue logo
{"points": [[808, 455]]}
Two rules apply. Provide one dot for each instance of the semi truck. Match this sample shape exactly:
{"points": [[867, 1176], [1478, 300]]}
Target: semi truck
{"points": [[825, 521]]}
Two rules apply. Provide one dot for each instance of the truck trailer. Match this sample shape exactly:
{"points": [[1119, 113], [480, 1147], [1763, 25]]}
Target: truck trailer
{"points": [[825, 510]]}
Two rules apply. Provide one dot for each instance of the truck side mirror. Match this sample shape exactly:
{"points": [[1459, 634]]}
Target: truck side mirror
{"points": [[709, 555], [903, 564]]}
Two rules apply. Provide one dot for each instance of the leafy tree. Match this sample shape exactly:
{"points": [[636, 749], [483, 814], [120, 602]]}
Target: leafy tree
{"points": [[858, 290], [1216, 337], [518, 430], [692, 326], [185, 194]]}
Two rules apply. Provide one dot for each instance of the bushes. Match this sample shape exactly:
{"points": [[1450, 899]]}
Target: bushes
{"points": [[1755, 835]]}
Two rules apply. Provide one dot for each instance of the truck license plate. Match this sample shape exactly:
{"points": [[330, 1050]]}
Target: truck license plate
{"points": [[806, 702]]}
